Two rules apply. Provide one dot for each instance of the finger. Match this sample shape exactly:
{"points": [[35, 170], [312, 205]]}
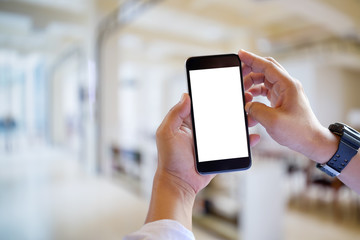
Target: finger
{"points": [[259, 90], [245, 69], [262, 65], [187, 105], [256, 63], [276, 62], [256, 78], [254, 139], [253, 79], [177, 115], [248, 97], [188, 121], [251, 122], [261, 113]]}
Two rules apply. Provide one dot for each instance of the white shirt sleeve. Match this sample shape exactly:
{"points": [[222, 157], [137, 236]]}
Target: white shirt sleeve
{"points": [[162, 229]]}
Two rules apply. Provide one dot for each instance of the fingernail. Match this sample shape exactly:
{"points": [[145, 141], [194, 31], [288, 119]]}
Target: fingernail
{"points": [[182, 98], [247, 107]]}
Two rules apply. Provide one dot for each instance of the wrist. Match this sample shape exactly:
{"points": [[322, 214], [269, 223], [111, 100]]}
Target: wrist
{"points": [[325, 144], [172, 198], [174, 184]]}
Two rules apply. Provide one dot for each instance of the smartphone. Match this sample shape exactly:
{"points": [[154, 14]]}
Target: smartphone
{"points": [[220, 128]]}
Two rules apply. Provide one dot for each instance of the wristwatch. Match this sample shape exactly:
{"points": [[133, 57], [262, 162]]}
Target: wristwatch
{"points": [[348, 148]]}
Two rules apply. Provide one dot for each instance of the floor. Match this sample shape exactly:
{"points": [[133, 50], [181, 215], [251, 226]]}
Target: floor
{"points": [[44, 194]]}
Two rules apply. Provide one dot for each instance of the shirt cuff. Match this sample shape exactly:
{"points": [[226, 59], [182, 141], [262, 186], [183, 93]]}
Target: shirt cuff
{"points": [[162, 229]]}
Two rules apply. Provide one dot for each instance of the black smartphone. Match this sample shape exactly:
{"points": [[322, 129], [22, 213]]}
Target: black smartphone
{"points": [[220, 129]]}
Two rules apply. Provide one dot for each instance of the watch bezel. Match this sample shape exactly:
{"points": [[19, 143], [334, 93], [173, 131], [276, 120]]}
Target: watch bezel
{"points": [[337, 128]]}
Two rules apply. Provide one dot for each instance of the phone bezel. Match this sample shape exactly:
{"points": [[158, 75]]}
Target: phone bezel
{"points": [[219, 165]]}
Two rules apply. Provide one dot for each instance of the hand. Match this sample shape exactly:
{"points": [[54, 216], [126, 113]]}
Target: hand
{"points": [[176, 181], [290, 120], [176, 148]]}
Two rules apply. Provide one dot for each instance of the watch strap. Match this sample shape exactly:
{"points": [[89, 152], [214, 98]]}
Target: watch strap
{"points": [[340, 159], [348, 148]]}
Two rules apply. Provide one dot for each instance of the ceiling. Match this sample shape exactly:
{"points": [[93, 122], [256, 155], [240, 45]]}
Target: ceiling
{"points": [[180, 28]]}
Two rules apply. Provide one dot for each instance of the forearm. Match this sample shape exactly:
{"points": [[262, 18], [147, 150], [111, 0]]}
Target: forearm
{"points": [[351, 174], [171, 199]]}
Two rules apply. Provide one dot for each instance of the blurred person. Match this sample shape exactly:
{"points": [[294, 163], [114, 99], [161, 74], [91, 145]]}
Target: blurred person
{"points": [[289, 120]]}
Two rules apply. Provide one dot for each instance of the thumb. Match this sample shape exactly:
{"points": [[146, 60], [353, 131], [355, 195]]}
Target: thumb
{"points": [[177, 114], [261, 113]]}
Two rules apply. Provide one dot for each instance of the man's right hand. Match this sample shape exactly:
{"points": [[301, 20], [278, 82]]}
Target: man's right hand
{"points": [[289, 120]]}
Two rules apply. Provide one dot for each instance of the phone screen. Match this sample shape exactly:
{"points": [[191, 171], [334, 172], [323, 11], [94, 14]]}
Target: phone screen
{"points": [[218, 113], [219, 120]]}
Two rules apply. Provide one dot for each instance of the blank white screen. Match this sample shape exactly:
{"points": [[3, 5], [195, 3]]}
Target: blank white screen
{"points": [[218, 113]]}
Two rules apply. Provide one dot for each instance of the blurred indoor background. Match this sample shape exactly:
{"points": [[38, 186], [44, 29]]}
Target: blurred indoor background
{"points": [[85, 83]]}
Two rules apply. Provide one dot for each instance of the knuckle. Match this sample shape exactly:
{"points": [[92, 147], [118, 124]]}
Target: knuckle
{"points": [[298, 85], [272, 63]]}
